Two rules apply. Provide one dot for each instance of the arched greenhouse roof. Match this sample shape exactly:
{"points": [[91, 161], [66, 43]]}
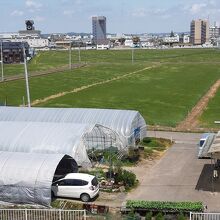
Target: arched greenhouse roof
{"points": [[51, 138], [26, 178], [129, 124]]}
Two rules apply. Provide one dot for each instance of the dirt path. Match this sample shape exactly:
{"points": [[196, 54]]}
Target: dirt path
{"points": [[191, 121], [40, 101]]}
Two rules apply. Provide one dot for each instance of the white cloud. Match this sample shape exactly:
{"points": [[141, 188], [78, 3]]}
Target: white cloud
{"points": [[69, 12], [39, 18], [33, 5], [17, 13], [141, 12], [196, 8]]}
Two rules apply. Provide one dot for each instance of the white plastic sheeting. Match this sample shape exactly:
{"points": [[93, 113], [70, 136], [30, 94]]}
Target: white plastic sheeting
{"points": [[51, 138], [130, 125], [26, 178]]}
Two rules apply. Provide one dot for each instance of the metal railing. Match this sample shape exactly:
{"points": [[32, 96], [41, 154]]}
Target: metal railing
{"points": [[42, 214], [204, 216]]}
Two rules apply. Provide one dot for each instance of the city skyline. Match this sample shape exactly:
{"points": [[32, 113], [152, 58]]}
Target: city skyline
{"points": [[140, 16]]}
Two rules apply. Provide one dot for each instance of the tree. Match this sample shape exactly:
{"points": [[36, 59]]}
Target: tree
{"points": [[172, 34], [136, 39], [121, 41]]}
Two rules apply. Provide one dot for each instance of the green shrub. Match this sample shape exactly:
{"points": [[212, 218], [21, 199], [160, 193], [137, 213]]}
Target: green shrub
{"points": [[181, 217], [159, 216], [149, 216], [146, 140], [165, 206], [127, 177], [133, 216], [158, 144], [133, 155]]}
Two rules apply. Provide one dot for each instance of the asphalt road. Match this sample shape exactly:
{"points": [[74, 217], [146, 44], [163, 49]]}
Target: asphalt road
{"points": [[179, 175]]}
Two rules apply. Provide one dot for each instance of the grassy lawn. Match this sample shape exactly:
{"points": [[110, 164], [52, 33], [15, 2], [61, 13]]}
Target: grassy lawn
{"points": [[44, 86], [45, 60], [164, 95], [42, 61], [212, 113]]}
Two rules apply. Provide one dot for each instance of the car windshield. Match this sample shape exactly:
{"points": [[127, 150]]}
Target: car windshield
{"points": [[201, 143], [95, 181]]}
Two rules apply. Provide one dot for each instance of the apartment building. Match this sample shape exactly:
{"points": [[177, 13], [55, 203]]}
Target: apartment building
{"points": [[199, 32]]}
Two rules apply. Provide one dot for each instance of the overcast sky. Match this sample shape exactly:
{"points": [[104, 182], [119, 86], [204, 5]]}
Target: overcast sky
{"points": [[123, 16]]}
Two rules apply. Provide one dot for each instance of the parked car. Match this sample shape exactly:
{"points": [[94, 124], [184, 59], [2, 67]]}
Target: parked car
{"points": [[76, 185]]}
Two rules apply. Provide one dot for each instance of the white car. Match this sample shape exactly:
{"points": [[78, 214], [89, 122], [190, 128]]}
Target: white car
{"points": [[76, 185]]}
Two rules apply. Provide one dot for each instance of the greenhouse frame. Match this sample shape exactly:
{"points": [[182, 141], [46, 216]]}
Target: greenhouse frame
{"points": [[26, 178], [128, 124], [51, 138]]}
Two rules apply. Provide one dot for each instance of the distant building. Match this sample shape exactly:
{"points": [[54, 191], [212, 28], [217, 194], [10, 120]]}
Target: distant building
{"points": [[218, 42], [13, 51], [99, 30], [184, 39], [214, 33], [129, 43], [172, 39], [30, 30], [30, 35], [199, 32]]}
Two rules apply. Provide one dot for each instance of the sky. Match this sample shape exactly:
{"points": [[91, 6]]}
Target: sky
{"points": [[123, 16]]}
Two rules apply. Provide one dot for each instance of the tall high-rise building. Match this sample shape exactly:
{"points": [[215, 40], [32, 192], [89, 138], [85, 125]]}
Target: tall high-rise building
{"points": [[99, 30], [199, 32]]}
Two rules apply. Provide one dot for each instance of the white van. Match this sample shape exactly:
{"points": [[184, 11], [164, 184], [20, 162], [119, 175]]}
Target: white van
{"points": [[204, 144]]}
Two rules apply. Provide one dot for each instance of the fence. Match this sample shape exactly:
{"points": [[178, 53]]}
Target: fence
{"points": [[204, 216], [42, 214]]}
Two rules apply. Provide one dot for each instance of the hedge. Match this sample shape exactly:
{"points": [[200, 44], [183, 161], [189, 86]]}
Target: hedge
{"points": [[165, 206]]}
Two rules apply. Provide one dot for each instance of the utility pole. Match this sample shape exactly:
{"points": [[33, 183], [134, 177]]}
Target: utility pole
{"points": [[70, 57], [79, 54], [132, 55], [26, 77], [2, 61]]}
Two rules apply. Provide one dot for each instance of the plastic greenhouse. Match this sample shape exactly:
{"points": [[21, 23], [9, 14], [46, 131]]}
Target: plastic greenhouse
{"points": [[51, 138], [27, 177], [128, 124]]}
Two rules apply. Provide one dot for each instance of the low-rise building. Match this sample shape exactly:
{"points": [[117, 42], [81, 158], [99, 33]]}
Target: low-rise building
{"points": [[214, 33], [129, 43], [172, 39], [30, 35], [13, 52]]}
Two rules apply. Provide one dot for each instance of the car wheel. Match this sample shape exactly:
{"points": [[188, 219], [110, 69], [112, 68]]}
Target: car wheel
{"points": [[85, 197]]}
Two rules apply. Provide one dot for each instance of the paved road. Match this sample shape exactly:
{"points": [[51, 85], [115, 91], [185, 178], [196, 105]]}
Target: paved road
{"points": [[179, 175]]}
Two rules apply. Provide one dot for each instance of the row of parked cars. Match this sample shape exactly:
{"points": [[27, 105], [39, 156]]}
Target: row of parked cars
{"points": [[76, 185]]}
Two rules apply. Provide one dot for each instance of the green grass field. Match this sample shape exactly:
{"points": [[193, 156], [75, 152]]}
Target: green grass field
{"points": [[212, 113], [164, 94], [51, 59]]}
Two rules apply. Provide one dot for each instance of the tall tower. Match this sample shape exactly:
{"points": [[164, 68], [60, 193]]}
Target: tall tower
{"points": [[199, 32], [99, 30]]}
